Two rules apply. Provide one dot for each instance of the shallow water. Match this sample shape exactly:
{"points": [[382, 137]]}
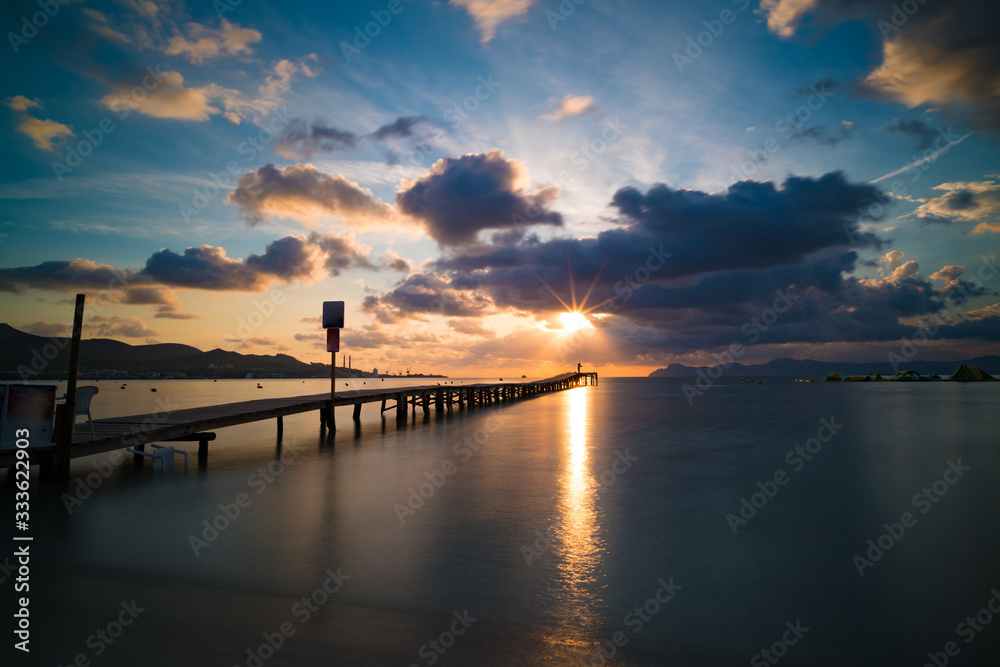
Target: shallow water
{"points": [[554, 522]]}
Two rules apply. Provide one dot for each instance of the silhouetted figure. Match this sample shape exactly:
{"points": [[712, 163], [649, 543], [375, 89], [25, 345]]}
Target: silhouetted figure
{"points": [[579, 366]]}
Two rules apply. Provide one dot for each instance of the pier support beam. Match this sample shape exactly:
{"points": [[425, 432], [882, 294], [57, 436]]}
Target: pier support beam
{"points": [[357, 412]]}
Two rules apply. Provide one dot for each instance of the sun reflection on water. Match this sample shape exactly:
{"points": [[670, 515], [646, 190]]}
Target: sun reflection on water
{"points": [[579, 545]]}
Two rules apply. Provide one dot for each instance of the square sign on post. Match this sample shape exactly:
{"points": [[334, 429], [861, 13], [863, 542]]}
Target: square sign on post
{"points": [[333, 314], [333, 340]]}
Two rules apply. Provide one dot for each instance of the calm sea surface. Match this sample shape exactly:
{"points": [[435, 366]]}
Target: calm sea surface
{"points": [[536, 533]]}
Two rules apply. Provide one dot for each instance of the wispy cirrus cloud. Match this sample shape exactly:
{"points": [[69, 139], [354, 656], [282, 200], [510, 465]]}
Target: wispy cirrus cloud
{"points": [[568, 106]]}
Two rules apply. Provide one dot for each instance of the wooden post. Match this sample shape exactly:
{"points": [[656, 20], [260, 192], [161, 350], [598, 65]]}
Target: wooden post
{"points": [[331, 418], [66, 432], [357, 412], [281, 426]]}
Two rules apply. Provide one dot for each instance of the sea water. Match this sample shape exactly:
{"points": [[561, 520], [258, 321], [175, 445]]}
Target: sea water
{"points": [[629, 523]]}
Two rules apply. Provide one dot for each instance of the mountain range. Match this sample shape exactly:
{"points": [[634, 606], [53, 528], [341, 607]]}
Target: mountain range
{"points": [[25, 356], [808, 368]]}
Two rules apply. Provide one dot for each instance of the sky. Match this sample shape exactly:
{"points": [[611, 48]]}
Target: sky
{"points": [[507, 186]]}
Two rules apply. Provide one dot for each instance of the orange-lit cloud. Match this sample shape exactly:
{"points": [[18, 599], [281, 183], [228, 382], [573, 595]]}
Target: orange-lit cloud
{"points": [[972, 201], [304, 193], [488, 14], [203, 43], [784, 16], [570, 105]]}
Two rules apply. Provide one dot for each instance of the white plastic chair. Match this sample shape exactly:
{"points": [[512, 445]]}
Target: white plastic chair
{"points": [[83, 397], [163, 454]]}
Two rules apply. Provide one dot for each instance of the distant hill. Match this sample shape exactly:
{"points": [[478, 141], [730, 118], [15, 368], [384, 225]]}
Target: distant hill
{"points": [[27, 356], [808, 368]]}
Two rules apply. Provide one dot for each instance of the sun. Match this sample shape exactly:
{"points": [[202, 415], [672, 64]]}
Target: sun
{"points": [[574, 321]]}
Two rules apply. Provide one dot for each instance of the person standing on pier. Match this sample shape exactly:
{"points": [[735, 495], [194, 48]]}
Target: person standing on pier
{"points": [[578, 366]]}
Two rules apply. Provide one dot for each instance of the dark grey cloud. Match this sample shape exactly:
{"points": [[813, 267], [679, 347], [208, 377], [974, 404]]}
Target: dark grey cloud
{"points": [[922, 134], [686, 270], [462, 196], [426, 293], [824, 135], [63, 276], [302, 138], [342, 252]]}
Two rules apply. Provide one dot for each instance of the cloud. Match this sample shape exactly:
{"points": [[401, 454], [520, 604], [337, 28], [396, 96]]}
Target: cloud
{"points": [[922, 133], [991, 311], [204, 268], [302, 139], [42, 132], [823, 135], [165, 95], [203, 43], [973, 201], [784, 16], [342, 252], [394, 262], [715, 241], [941, 55], [271, 92], [488, 14], [568, 106], [287, 259], [109, 326], [168, 99], [421, 294], [147, 295], [460, 197], [207, 267], [685, 270], [948, 273], [63, 276], [471, 328], [945, 61], [49, 329], [21, 103], [100, 23], [303, 192], [373, 337]]}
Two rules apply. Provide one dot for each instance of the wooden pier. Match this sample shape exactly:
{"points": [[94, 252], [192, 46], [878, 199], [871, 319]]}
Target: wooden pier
{"points": [[197, 424]]}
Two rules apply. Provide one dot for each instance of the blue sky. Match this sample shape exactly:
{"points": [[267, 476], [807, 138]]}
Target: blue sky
{"points": [[463, 169]]}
